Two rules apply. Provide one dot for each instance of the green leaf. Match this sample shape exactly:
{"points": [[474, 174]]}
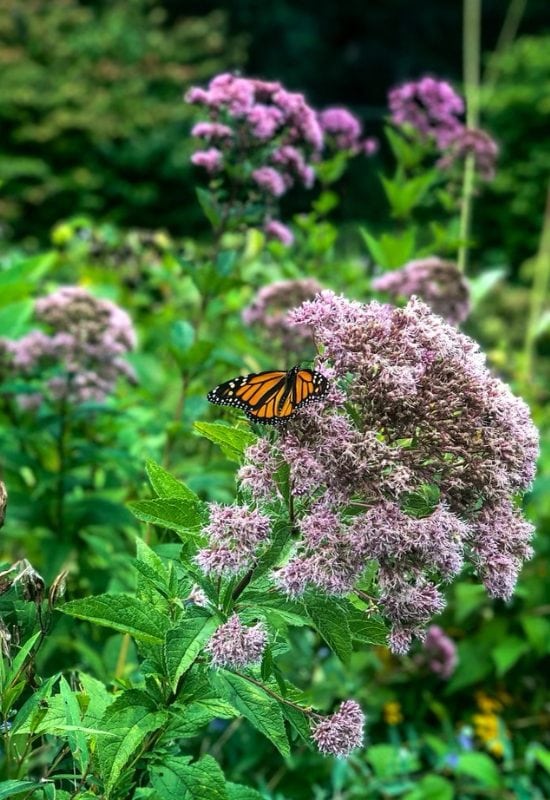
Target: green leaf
{"points": [[431, 787], [190, 719], [481, 767], [231, 441], [508, 652], [76, 739], [185, 641], [182, 336], [255, 704], [330, 620], [14, 318], [235, 791], [404, 195], [481, 285], [14, 788], [19, 281], [537, 630], [210, 207], [368, 631], [166, 485], [130, 718], [175, 513], [390, 251], [176, 778], [151, 566], [123, 613]]}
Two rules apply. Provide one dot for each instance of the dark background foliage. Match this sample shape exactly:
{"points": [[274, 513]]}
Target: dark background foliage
{"points": [[91, 109]]}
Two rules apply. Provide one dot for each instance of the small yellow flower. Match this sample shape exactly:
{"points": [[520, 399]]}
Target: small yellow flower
{"points": [[486, 704], [496, 748], [486, 726], [392, 713]]}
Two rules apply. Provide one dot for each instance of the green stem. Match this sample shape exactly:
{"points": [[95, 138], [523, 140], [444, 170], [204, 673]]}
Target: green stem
{"points": [[539, 292], [508, 32], [471, 59]]}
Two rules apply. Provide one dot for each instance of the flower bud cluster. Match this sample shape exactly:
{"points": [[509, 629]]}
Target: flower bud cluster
{"points": [[83, 351]]}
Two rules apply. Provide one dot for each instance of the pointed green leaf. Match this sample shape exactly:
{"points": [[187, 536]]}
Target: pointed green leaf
{"points": [[166, 485], [254, 703], [123, 613], [176, 778], [175, 513], [330, 619], [130, 718], [232, 441], [185, 641], [15, 788]]}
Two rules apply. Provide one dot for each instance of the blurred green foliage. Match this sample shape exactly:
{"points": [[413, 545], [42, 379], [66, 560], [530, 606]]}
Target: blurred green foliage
{"points": [[91, 111], [516, 108]]}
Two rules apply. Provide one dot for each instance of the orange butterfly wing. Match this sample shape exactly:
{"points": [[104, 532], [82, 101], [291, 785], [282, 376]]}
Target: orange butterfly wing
{"points": [[271, 397]]}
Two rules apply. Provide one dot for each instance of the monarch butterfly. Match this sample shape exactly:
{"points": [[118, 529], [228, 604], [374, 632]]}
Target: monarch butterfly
{"points": [[271, 397]]}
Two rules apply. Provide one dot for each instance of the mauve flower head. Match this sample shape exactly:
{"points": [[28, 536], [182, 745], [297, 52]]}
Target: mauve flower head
{"points": [[343, 126], [440, 652], [438, 282], [371, 146], [211, 160], [235, 645], [430, 106], [342, 732], [472, 142], [269, 180], [413, 414], [236, 534], [266, 137], [87, 341], [270, 307], [275, 229]]}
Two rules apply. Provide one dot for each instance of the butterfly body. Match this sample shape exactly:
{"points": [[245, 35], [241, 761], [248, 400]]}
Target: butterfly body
{"points": [[271, 397]]}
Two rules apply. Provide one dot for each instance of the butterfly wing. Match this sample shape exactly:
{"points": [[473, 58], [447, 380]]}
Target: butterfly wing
{"points": [[270, 397]]}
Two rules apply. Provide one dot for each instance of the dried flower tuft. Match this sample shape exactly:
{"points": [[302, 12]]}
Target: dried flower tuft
{"points": [[438, 282], [236, 645], [342, 732]]}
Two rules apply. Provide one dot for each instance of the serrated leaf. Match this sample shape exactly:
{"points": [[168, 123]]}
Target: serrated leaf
{"points": [[175, 513], [166, 485], [76, 739], [185, 641], [130, 722], [256, 705], [191, 719], [330, 620], [231, 441], [368, 631], [176, 778], [122, 613]]}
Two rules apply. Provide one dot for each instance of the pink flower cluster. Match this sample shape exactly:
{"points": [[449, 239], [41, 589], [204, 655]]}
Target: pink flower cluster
{"points": [[440, 652], [477, 143], [262, 140], [413, 413], [270, 307], [236, 645], [438, 282], [83, 352], [345, 131], [235, 535], [342, 732], [433, 109]]}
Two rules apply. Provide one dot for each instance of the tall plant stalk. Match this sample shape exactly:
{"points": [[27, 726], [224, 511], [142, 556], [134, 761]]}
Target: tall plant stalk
{"points": [[471, 42]]}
